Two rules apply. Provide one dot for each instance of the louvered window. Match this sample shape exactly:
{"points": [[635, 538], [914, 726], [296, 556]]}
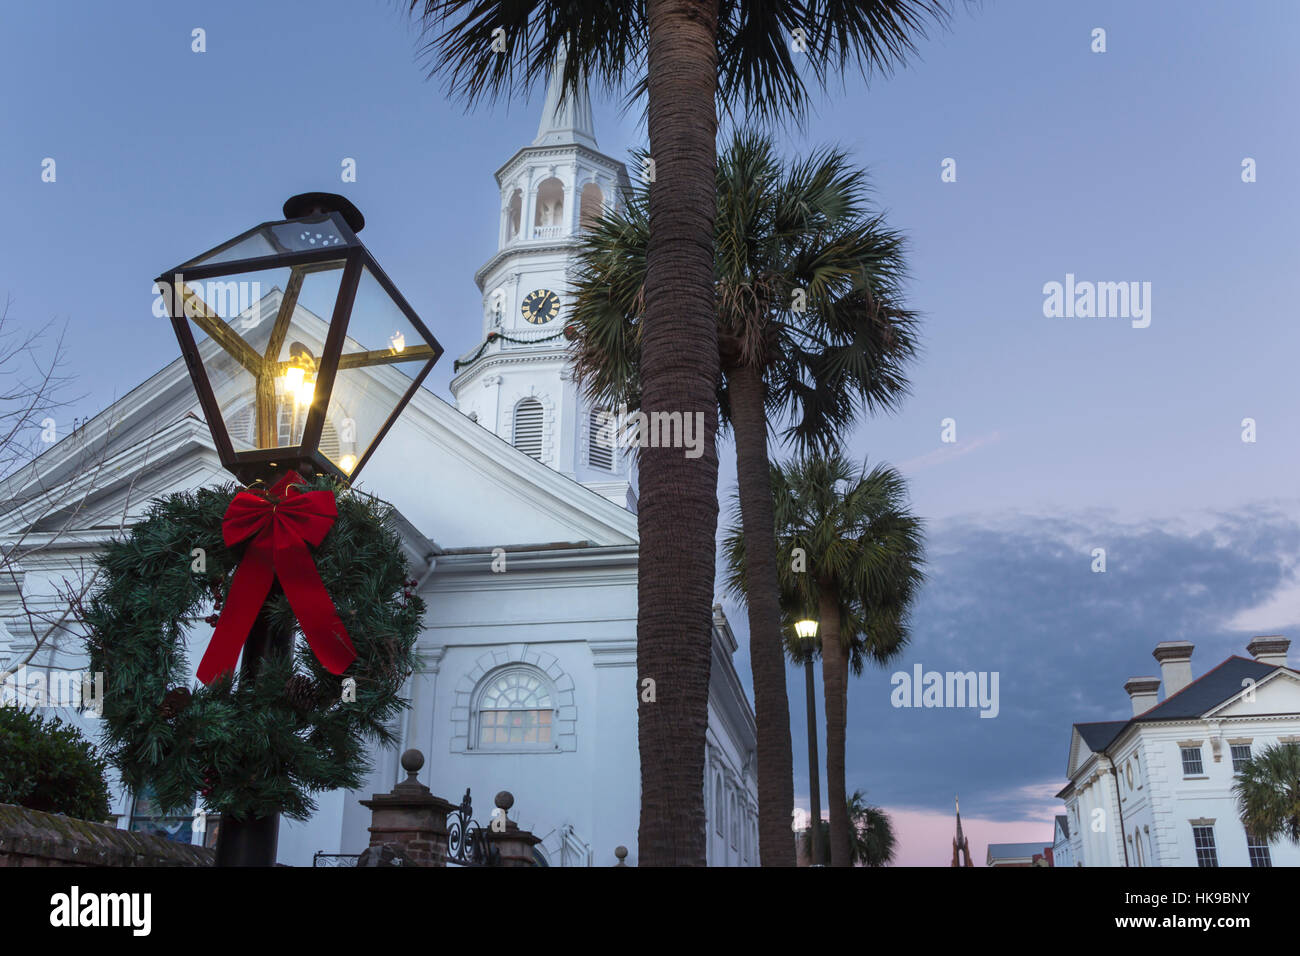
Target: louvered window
{"points": [[242, 435], [600, 440], [528, 427]]}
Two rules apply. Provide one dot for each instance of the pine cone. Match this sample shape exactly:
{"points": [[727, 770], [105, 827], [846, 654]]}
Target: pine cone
{"points": [[173, 702], [300, 692]]}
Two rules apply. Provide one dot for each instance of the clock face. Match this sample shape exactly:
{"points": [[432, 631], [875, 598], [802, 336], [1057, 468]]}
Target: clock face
{"points": [[541, 306]]}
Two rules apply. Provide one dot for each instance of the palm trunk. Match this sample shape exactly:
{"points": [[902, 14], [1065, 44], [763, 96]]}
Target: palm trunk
{"points": [[678, 504], [835, 679], [775, 754]]}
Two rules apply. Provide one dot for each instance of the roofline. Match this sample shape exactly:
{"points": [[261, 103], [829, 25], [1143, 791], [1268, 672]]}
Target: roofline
{"points": [[1191, 684], [1143, 717]]}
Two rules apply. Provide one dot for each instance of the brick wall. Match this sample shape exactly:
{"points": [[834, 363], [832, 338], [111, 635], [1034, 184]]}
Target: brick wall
{"points": [[32, 838]]}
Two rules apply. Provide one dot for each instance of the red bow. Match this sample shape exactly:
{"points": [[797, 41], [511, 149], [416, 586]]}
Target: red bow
{"points": [[281, 525]]}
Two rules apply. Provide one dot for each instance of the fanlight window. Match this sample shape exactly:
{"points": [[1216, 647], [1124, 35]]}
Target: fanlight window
{"points": [[515, 709], [529, 417]]}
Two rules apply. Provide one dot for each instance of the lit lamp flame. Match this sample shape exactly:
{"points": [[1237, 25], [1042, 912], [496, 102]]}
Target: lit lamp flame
{"points": [[806, 629], [293, 377], [299, 379], [398, 341], [306, 390], [348, 462]]}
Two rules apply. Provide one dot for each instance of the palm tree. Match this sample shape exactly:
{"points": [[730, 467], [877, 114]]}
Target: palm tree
{"points": [[807, 285], [694, 55], [871, 833], [1268, 793], [848, 547]]}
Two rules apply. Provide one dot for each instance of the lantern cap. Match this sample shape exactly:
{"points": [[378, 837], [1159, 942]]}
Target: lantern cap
{"points": [[304, 204]]}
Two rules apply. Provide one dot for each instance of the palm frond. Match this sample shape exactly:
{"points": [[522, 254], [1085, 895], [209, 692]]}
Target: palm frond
{"points": [[1268, 793]]}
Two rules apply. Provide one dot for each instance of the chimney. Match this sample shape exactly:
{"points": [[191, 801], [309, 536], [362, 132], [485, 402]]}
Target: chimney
{"points": [[1144, 692], [1269, 649], [1175, 659]]}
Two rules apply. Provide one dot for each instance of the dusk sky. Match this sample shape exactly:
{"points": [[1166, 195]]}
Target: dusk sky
{"points": [[1072, 433]]}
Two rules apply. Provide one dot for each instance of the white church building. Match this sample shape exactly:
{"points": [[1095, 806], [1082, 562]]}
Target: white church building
{"points": [[1155, 789], [509, 471]]}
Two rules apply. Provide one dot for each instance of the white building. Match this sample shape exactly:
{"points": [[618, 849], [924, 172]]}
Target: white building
{"points": [[510, 467], [1156, 789], [1061, 854]]}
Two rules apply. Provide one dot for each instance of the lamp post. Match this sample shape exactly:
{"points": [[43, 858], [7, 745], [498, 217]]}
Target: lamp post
{"points": [[807, 632], [303, 353]]}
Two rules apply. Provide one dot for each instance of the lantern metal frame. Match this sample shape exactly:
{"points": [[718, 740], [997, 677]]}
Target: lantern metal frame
{"points": [[264, 463]]}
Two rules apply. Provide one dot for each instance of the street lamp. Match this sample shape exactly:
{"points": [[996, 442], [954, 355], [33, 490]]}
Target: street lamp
{"points": [[806, 630], [303, 353], [301, 349]]}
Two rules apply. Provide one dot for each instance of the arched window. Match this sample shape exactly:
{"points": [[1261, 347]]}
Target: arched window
{"points": [[590, 205], [735, 821], [529, 417], [549, 218], [720, 809], [515, 214], [514, 709]]}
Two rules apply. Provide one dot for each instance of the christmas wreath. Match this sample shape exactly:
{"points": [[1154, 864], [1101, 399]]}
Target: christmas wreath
{"points": [[251, 747]]}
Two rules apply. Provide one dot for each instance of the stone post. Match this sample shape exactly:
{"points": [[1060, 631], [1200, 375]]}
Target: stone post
{"points": [[514, 845], [410, 819], [621, 853]]}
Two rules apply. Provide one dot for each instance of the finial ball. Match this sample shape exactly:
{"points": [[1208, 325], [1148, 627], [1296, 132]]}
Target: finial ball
{"points": [[412, 761]]}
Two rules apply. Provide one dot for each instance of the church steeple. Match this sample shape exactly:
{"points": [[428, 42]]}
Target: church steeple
{"points": [[960, 843], [517, 382], [566, 120]]}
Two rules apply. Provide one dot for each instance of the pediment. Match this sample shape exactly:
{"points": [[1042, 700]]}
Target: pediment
{"points": [[1277, 693], [454, 481]]}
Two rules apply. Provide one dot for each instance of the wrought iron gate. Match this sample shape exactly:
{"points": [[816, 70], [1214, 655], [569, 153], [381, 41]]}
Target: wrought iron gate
{"points": [[467, 842]]}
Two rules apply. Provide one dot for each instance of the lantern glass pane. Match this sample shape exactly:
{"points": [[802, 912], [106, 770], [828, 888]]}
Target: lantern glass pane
{"points": [[382, 353], [260, 337], [281, 238]]}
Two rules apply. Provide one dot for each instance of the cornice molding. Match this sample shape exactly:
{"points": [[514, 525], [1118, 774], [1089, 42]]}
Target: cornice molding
{"points": [[523, 247], [614, 653]]}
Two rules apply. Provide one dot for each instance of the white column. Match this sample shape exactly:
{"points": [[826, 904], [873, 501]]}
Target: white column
{"points": [[529, 214]]}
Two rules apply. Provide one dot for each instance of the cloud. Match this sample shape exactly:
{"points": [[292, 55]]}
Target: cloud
{"points": [[1018, 596]]}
